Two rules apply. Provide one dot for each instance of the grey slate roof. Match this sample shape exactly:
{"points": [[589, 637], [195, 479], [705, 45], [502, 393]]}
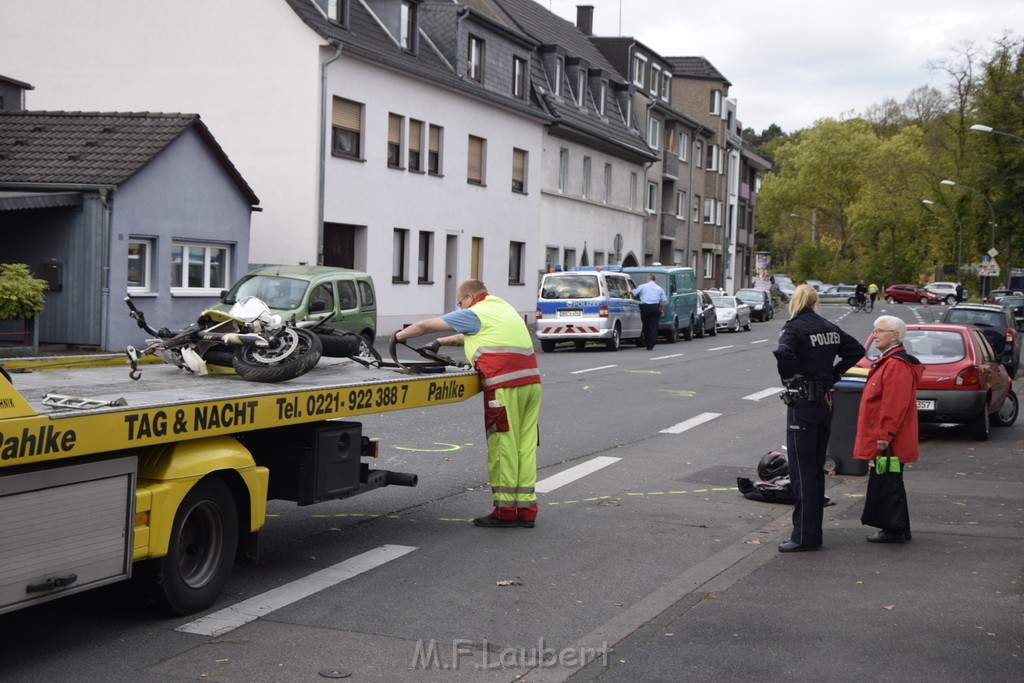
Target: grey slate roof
{"points": [[364, 37], [40, 148], [696, 67]]}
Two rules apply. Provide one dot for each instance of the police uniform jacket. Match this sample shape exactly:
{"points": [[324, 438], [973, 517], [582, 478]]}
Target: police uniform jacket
{"points": [[808, 346], [888, 407]]}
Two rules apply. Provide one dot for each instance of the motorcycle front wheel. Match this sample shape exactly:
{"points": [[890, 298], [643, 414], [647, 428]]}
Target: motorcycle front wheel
{"points": [[293, 352]]}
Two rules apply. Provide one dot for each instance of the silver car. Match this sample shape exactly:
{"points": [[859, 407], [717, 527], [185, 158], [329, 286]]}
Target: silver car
{"points": [[733, 313]]}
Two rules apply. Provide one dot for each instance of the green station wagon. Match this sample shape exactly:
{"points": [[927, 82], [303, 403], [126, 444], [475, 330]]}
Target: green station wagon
{"points": [[303, 293]]}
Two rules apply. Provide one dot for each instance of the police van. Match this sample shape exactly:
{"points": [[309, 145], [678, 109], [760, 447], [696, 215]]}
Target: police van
{"points": [[588, 303], [680, 285]]}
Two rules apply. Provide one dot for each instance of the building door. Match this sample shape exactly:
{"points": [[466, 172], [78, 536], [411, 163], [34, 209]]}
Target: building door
{"points": [[451, 271]]}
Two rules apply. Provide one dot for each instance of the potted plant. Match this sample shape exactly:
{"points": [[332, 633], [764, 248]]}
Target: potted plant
{"points": [[21, 295]]}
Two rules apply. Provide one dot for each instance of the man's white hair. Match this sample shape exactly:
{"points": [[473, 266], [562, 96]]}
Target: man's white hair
{"points": [[891, 322]]}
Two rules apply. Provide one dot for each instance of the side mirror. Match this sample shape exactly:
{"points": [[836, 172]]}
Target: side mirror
{"points": [[317, 306]]}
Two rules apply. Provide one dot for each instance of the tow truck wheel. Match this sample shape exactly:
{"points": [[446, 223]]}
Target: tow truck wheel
{"points": [[547, 345], [201, 551]]}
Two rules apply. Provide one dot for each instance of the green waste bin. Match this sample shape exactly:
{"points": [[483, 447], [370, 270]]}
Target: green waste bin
{"points": [[845, 408]]}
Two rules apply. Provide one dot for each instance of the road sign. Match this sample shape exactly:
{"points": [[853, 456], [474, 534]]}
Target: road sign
{"points": [[993, 252]]}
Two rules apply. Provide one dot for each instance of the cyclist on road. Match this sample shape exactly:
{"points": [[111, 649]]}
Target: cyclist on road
{"points": [[860, 294], [872, 294]]}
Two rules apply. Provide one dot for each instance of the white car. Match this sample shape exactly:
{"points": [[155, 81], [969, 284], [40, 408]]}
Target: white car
{"points": [[732, 312], [945, 291]]}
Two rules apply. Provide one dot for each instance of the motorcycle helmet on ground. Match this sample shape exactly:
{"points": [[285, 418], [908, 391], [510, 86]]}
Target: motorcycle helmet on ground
{"points": [[773, 464]]}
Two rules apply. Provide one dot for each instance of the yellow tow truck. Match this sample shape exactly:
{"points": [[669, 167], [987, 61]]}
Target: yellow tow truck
{"points": [[169, 476]]}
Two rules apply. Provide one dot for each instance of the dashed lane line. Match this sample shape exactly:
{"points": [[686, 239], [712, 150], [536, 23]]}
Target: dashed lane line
{"points": [[573, 473], [600, 367], [760, 341], [771, 391], [672, 355], [691, 423], [239, 614], [720, 348]]}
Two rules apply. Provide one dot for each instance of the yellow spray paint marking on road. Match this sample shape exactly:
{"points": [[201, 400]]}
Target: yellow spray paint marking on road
{"points": [[446, 449]]}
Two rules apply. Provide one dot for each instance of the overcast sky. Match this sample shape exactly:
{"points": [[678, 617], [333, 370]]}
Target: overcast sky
{"points": [[792, 62]]}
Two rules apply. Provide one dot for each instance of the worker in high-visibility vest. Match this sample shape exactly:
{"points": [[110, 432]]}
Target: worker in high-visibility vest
{"points": [[499, 345]]}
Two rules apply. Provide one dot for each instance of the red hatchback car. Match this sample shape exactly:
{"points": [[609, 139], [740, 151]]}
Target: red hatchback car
{"points": [[963, 381], [908, 294]]}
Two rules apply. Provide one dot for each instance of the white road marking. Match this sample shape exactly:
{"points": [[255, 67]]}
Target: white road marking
{"points": [[719, 348], [573, 473], [674, 355], [600, 367], [760, 341], [230, 618], [763, 394], [691, 423]]}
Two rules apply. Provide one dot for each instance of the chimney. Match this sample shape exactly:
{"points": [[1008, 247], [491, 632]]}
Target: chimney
{"points": [[585, 19]]}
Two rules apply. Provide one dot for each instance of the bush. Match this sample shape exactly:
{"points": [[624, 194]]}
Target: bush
{"points": [[21, 295]]}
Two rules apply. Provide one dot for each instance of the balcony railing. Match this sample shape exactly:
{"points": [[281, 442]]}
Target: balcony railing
{"points": [[670, 165]]}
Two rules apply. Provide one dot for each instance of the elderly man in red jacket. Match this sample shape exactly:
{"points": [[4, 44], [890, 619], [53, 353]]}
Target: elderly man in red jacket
{"points": [[888, 408]]}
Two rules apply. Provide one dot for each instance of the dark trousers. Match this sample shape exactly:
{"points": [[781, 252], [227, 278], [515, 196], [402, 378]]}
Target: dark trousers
{"points": [[808, 425], [650, 314]]}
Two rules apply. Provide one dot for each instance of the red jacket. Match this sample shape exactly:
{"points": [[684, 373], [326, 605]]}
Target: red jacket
{"points": [[888, 406]]}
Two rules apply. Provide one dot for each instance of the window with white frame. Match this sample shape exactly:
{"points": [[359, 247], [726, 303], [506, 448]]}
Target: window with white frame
{"points": [[709, 264], [569, 260], [655, 79], [415, 145], [698, 153], [559, 75], [475, 59], [654, 132], [684, 146], [476, 161], [407, 19], [434, 150], [200, 268], [681, 204], [346, 127], [586, 177], [581, 87], [600, 96], [607, 183], [639, 69], [519, 78], [516, 261], [425, 258], [395, 140], [140, 265], [709, 209], [337, 10], [652, 197], [712, 160], [716, 101], [666, 86], [563, 168], [400, 256], [550, 258], [518, 170], [695, 209]]}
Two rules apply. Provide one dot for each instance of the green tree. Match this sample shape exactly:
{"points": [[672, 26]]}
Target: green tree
{"points": [[21, 295]]}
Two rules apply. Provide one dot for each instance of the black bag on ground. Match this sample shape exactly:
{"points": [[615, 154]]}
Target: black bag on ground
{"points": [[885, 505]]}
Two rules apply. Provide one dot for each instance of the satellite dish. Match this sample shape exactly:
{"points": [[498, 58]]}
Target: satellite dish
{"points": [[617, 243]]}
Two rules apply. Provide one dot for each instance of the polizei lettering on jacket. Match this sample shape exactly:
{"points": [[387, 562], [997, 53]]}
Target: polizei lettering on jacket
{"points": [[824, 338], [445, 391], [41, 441]]}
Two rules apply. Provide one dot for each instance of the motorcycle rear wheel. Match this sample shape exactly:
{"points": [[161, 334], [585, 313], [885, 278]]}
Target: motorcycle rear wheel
{"points": [[292, 353], [338, 343]]}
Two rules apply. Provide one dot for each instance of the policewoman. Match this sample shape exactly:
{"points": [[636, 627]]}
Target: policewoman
{"points": [[807, 356], [498, 344]]}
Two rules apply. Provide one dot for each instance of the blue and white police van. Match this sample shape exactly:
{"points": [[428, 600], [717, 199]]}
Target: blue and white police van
{"points": [[588, 303]]}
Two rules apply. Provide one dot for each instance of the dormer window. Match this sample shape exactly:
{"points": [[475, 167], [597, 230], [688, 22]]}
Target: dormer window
{"points": [[655, 79], [337, 10], [559, 75], [666, 86], [581, 87], [600, 96], [475, 59], [519, 78], [407, 26], [639, 69]]}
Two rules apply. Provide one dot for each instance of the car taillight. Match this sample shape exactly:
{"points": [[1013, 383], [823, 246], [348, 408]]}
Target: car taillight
{"points": [[1011, 337], [969, 377], [539, 314], [602, 312]]}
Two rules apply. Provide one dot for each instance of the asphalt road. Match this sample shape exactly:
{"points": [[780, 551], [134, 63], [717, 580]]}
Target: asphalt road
{"points": [[397, 585]]}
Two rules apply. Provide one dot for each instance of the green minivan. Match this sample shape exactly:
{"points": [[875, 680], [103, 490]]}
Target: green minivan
{"points": [[313, 293], [680, 285]]}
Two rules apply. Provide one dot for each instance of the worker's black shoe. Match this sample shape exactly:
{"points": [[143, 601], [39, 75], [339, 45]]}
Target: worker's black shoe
{"points": [[526, 523], [791, 547], [883, 536], [494, 522]]}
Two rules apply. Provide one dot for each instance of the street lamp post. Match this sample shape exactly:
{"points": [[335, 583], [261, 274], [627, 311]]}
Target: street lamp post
{"points": [[814, 233], [991, 211], [978, 128], [959, 233]]}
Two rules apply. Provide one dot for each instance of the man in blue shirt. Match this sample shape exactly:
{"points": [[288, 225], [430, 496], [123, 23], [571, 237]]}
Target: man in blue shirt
{"points": [[652, 307]]}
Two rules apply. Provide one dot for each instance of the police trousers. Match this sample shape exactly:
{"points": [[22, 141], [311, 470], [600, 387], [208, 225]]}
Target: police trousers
{"points": [[510, 418], [808, 425]]}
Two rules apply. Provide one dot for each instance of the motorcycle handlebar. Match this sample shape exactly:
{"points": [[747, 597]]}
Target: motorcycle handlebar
{"points": [[140, 317]]}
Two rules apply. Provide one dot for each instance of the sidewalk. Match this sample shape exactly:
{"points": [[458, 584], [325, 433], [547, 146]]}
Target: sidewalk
{"points": [[945, 607]]}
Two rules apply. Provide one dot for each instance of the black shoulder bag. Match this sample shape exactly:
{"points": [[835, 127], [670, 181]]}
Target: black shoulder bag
{"points": [[885, 505]]}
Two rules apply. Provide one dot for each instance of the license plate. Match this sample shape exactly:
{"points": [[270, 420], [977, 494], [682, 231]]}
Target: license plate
{"points": [[926, 405], [571, 313]]}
